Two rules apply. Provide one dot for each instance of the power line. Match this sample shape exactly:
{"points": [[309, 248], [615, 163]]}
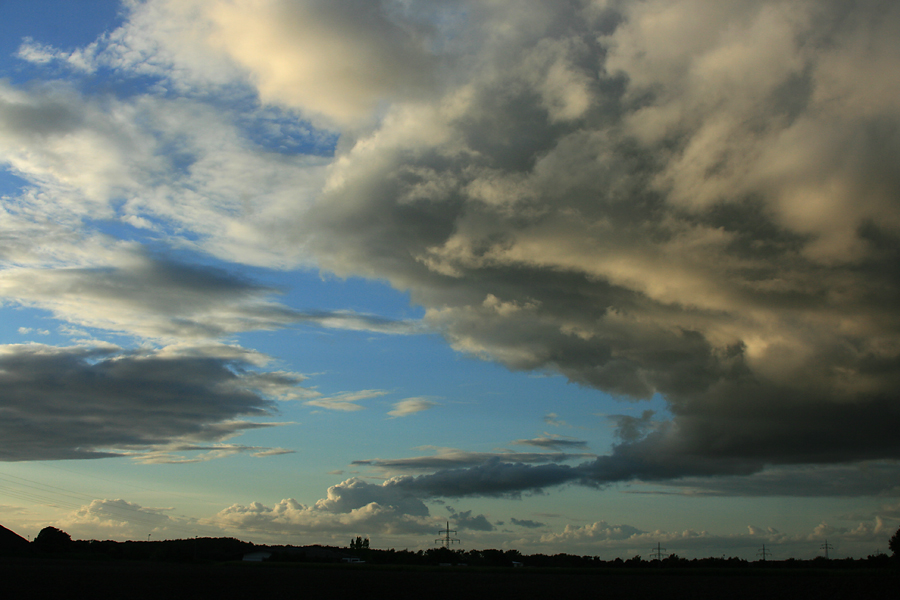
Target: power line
{"points": [[658, 553], [56, 497]]}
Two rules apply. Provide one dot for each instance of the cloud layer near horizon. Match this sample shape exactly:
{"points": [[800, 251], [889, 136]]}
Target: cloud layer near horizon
{"points": [[697, 199], [353, 507]]}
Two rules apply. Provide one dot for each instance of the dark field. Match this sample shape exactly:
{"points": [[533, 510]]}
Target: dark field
{"points": [[126, 579]]}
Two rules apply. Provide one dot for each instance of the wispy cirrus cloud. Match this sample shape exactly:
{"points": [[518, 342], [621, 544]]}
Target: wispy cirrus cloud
{"points": [[156, 298], [553, 442], [411, 406], [346, 401]]}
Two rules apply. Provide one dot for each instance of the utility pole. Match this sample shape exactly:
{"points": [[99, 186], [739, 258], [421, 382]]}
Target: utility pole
{"points": [[826, 547], [658, 553], [446, 541], [764, 553]]}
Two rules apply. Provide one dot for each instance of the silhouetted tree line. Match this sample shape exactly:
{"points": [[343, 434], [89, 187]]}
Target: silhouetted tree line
{"points": [[359, 543], [52, 541], [55, 542], [507, 558]]}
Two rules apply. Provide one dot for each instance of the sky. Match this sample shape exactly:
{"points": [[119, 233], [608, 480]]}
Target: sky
{"points": [[579, 276]]}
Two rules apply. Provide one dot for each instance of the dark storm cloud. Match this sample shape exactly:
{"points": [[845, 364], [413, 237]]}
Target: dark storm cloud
{"points": [[850, 480], [493, 478], [451, 459], [498, 478], [693, 199], [464, 520], [653, 462], [64, 403]]}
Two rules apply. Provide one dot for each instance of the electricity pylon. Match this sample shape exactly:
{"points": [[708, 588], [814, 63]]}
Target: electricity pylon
{"points": [[446, 541]]}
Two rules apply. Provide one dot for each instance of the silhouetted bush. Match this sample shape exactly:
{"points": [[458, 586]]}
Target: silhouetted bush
{"points": [[894, 544], [51, 539]]}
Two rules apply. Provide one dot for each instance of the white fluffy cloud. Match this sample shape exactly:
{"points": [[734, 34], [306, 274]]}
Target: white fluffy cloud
{"points": [[351, 507], [165, 166], [119, 520]]}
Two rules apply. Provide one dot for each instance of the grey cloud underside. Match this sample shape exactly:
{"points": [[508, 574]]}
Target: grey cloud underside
{"points": [[694, 476], [459, 459], [156, 297], [65, 403], [493, 478], [464, 520], [847, 480], [528, 523], [733, 246]]}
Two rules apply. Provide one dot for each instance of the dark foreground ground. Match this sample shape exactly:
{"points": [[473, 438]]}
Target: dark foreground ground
{"points": [[31, 578]]}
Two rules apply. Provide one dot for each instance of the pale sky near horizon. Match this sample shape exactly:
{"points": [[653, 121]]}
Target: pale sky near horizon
{"points": [[579, 276]]}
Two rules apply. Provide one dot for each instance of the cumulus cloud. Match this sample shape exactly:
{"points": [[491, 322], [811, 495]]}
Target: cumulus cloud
{"points": [[351, 507], [118, 519], [606, 198], [338, 59], [92, 402]]}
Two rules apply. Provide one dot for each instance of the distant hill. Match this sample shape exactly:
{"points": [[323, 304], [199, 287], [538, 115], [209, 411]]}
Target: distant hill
{"points": [[11, 542]]}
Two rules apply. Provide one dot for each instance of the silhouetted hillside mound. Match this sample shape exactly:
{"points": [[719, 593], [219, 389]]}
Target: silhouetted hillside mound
{"points": [[11, 542]]}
